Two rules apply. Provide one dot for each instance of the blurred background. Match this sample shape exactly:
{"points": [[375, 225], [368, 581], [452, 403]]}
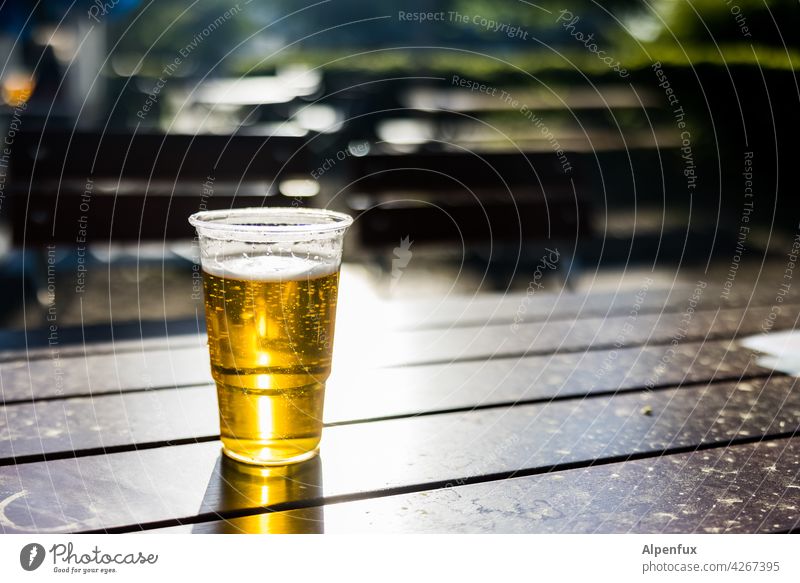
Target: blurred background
{"points": [[480, 145]]}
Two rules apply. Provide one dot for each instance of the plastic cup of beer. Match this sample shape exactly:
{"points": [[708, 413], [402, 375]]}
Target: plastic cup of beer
{"points": [[271, 278]]}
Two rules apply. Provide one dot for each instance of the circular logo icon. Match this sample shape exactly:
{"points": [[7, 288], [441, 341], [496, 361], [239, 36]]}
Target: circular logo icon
{"points": [[31, 556]]}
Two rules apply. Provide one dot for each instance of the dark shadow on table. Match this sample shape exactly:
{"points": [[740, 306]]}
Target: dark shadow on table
{"points": [[248, 499]]}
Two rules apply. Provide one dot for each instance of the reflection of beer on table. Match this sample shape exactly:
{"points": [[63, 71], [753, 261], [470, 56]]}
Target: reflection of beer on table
{"points": [[270, 333], [258, 488]]}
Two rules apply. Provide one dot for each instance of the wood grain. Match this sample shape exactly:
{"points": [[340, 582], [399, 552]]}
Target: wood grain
{"points": [[161, 486], [751, 488], [137, 418], [357, 352]]}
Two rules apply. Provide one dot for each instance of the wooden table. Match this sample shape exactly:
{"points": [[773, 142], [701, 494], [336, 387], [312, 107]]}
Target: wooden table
{"points": [[446, 419]]}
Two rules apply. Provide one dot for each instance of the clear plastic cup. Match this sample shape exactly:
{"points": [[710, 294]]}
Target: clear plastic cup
{"points": [[271, 280]]}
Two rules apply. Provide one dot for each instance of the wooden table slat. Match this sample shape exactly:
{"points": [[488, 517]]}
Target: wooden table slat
{"points": [[428, 347], [171, 483], [356, 351], [501, 308], [484, 309], [747, 488], [49, 427]]}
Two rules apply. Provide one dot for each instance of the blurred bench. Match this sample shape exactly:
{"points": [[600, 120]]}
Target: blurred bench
{"points": [[465, 198], [90, 186]]}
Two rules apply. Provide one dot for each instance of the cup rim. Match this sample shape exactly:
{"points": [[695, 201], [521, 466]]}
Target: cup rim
{"points": [[310, 221]]}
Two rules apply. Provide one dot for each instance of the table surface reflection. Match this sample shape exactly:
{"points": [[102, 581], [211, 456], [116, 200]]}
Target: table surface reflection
{"points": [[610, 412]]}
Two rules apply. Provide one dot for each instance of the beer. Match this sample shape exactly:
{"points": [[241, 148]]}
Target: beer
{"points": [[270, 323]]}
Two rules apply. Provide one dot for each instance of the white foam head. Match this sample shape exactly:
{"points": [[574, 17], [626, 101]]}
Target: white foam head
{"points": [[270, 268]]}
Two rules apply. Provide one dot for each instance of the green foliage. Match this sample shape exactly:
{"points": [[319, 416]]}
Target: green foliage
{"points": [[158, 30], [635, 32]]}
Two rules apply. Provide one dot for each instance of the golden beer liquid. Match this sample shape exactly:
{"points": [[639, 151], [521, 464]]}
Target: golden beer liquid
{"points": [[270, 342]]}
